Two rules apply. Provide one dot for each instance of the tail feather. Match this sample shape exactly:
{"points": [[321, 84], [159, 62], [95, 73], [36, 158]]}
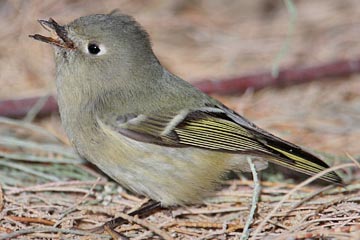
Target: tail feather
{"points": [[293, 157]]}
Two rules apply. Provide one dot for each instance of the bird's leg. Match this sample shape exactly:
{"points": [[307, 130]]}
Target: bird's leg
{"points": [[145, 210]]}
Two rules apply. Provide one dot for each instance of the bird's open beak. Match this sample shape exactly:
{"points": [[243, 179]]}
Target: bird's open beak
{"points": [[61, 38]]}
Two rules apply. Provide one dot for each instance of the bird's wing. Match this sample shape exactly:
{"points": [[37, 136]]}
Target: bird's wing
{"points": [[216, 128]]}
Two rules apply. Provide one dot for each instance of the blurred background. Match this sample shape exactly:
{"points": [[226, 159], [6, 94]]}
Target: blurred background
{"points": [[44, 183], [208, 39]]}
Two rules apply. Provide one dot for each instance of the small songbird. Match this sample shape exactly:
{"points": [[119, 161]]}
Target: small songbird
{"points": [[146, 128]]}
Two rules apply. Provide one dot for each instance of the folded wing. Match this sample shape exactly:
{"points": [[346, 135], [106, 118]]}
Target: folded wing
{"points": [[219, 129]]}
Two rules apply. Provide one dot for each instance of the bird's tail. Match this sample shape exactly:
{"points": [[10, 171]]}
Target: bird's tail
{"points": [[293, 157]]}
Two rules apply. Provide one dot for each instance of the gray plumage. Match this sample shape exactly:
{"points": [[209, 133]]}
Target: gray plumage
{"points": [[146, 128]]}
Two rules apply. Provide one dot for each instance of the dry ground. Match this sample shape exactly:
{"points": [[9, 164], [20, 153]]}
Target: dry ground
{"points": [[47, 190]]}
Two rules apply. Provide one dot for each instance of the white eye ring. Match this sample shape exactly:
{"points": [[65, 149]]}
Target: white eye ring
{"points": [[95, 49]]}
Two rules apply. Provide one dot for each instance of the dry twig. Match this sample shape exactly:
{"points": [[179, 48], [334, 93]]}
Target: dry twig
{"points": [[145, 224], [309, 180], [286, 77]]}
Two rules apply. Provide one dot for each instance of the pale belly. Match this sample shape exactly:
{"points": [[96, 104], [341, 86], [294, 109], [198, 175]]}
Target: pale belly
{"points": [[165, 174]]}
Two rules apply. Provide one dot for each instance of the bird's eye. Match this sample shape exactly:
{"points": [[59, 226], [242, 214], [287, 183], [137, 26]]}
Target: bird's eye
{"points": [[93, 49]]}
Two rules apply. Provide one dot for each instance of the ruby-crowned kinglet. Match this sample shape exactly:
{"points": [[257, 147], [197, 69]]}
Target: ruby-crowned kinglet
{"points": [[146, 128]]}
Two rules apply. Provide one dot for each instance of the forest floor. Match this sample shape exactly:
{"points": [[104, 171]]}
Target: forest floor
{"points": [[48, 192]]}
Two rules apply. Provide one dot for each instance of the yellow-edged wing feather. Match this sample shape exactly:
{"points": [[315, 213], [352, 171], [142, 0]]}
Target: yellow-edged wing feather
{"points": [[220, 129]]}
